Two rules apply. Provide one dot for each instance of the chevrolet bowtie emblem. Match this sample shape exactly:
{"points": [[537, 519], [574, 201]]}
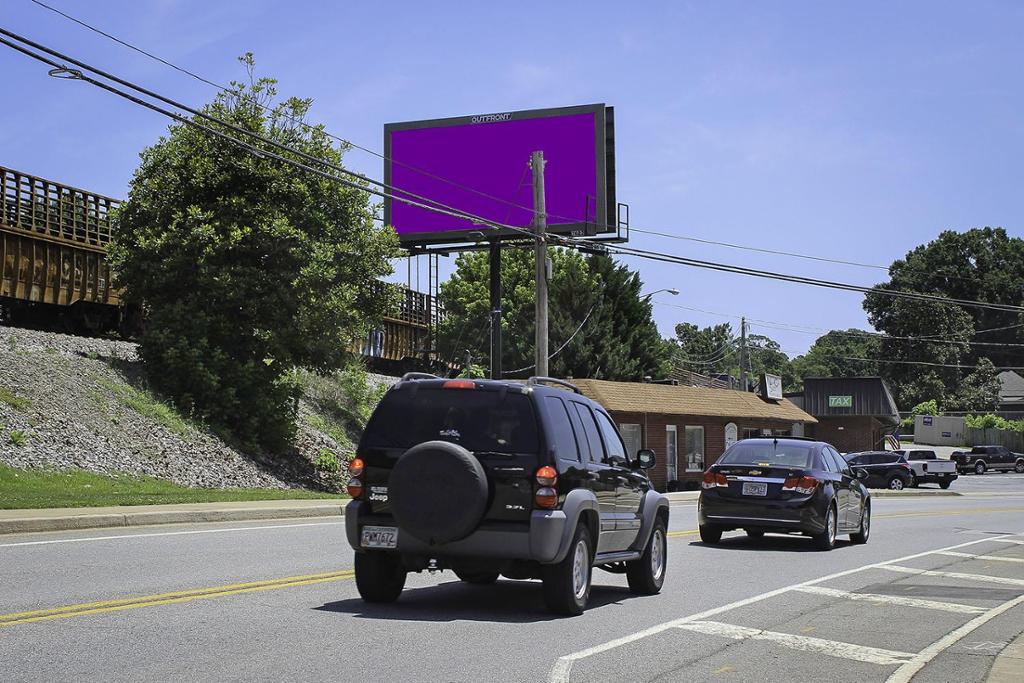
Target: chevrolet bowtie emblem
{"points": [[754, 472]]}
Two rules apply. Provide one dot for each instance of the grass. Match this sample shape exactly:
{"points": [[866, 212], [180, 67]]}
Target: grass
{"points": [[24, 489], [19, 403], [146, 404]]}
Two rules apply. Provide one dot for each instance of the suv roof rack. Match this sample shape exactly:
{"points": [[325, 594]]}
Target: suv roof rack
{"points": [[417, 375], [553, 380]]}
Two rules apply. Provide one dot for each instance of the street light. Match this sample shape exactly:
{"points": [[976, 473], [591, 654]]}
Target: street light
{"points": [[671, 290]]}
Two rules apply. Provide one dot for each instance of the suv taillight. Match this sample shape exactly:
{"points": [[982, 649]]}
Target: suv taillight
{"points": [[546, 495], [356, 467], [354, 488], [801, 484], [713, 479]]}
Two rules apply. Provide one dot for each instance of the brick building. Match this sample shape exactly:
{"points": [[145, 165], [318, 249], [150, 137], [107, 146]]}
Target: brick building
{"points": [[853, 413], [689, 427]]}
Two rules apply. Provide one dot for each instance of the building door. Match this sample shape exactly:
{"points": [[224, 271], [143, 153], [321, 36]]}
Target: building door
{"points": [[671, 453], [694, 449]]}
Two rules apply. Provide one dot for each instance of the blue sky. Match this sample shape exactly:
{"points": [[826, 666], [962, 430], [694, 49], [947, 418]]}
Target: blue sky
{"points": [[849, 130]]}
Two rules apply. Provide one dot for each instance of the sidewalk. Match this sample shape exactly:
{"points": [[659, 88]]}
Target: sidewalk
{"points": [[1009, 664], [60, 519]]}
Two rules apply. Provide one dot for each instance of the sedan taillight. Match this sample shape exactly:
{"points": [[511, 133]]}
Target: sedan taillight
{"points": [[714, 479], [801, 484]]}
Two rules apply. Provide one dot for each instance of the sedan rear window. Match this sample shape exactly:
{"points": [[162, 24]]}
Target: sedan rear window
{"points": [[490, 421], [769, 453]]}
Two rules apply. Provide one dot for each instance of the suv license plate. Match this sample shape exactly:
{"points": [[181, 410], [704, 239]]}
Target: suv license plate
{"points": [[752, 488], [379, 537]]}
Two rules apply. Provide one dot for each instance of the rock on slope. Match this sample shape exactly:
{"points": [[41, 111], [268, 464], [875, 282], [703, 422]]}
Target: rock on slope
{"points": [[74, 403]]}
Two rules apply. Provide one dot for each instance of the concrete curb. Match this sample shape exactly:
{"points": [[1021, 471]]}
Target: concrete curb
{"points": [[1009, 664], [84, 520]]}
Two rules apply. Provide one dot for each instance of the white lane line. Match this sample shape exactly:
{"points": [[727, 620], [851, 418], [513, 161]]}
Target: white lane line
{"points": [[906, 672], [563, 667], [954, 575], [1009, 540], [987, 558], [165, 533], [893, 600], [834, 648]]}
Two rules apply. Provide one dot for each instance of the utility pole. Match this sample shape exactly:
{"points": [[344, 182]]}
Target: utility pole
{"points": [[541, 253], [743, 354], [495, 309]]}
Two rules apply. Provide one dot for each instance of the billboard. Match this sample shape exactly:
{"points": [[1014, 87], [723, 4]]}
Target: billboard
{"points": [[480, 165]]}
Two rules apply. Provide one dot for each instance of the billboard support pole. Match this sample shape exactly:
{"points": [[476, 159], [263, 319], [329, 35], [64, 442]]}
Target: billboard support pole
{"points": [[495, 309], [541, 265]]}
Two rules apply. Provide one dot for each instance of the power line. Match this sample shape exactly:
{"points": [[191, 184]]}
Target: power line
{"points": [[802, 329], [510, 204], [73, 74], [800, 279], [439, 207]]}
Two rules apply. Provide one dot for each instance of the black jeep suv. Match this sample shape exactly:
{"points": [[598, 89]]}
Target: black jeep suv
{"points": [[486, 477]]}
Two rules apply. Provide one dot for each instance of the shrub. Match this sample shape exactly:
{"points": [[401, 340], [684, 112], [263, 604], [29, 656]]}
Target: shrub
{"points": [[327, 462], [248, 267], [18, 437]]}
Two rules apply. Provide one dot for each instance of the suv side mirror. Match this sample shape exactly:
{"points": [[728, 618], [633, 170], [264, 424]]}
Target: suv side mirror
{"points": [[645, 458]]}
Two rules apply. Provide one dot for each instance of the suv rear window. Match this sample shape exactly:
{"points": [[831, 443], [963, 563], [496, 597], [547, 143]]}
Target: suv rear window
{"points": [[502, 422], [767, 453]]}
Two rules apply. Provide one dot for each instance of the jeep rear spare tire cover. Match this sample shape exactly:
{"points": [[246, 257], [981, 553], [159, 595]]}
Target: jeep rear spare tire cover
{"points": [[438, 492]]}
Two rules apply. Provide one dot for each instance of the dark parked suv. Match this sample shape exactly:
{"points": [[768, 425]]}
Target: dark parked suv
{"points": [[529, 481]]}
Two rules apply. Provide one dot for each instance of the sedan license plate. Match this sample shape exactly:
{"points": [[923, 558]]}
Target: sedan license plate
{"points": [[380, 537], [755, 488]]}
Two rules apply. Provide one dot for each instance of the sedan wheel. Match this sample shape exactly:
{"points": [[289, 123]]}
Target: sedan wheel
{"points": [[896, 484], [826, 540], [865, 527]]}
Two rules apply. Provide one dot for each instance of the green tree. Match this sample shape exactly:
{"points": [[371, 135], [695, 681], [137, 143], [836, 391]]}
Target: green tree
{"points": [[983, 264], [248, 267], [835, 354], [979, 391], [709, 350], [618, 339], [766, 356]]}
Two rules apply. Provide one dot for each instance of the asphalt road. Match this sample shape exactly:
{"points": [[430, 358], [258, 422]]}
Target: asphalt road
{"points": [[276, 601]]}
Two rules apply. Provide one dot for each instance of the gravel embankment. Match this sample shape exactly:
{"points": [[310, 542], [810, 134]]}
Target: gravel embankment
{"points": [[65, 398]]}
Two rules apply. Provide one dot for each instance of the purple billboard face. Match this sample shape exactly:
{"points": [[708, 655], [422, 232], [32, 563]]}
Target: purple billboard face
{"points": [[480, 165]]}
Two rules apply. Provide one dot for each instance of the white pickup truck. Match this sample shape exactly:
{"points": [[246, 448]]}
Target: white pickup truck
{"points": [[929, 468]]}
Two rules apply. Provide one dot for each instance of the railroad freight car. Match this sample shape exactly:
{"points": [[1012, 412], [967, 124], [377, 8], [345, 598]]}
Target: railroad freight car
{"points": [[54, 273], [53, 265]]}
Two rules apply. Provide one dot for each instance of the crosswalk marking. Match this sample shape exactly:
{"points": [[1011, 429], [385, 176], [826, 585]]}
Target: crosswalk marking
{"points": [[893, 600], [953, 575], [987, 558], [860, 653]]}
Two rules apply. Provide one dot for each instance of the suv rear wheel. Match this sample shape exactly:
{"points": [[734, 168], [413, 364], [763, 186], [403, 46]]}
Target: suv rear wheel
{"points": [[567, 584], [380, 577], [710, 534], [646, 575], [979, 467]]}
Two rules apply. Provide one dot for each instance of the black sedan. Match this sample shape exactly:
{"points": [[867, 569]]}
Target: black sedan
{"points": [[784, 485], [885, 470]]}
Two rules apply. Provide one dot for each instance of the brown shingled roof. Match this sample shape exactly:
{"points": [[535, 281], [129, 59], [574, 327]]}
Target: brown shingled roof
{"points": [[666, 399]]}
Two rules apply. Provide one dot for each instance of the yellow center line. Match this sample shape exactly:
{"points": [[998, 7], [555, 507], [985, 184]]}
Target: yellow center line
{"points": [[189, 595], [104, 606]]}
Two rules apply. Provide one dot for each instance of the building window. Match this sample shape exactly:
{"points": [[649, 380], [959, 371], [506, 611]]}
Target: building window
{"points": [[671, 453], [631, 436], [694, 449]]}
